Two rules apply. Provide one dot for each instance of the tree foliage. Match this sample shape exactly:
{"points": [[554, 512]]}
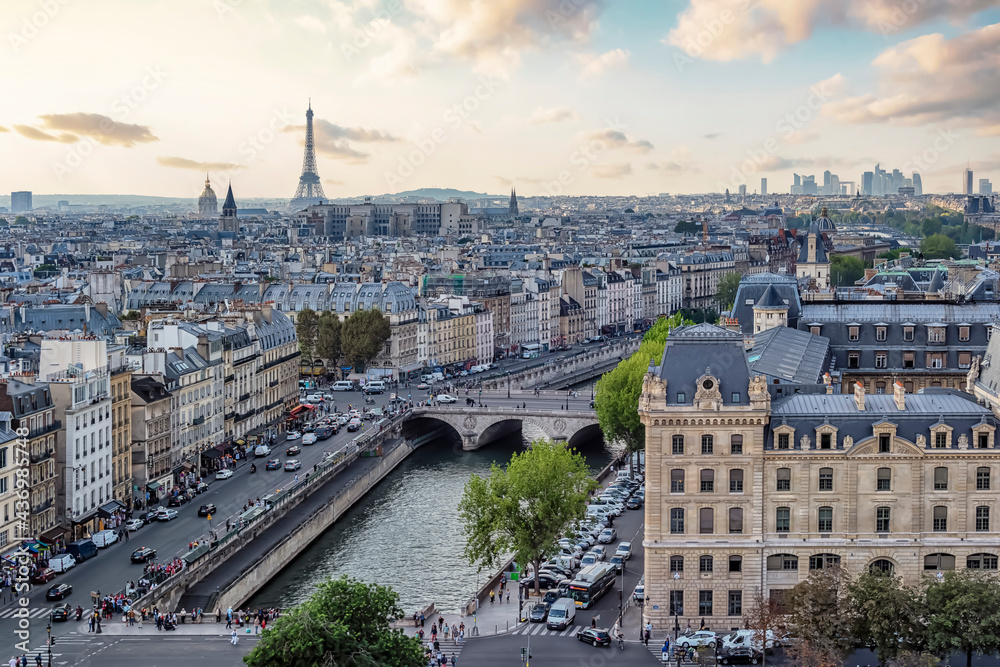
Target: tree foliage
{"points": [[328, 337], [846, 270], [764, 617], [939, 246], [306, 325], [521, 509], [726, 294], [886, 614], [687, 227], [344, 623], [820, 613], [963, 613], [362, 336]]}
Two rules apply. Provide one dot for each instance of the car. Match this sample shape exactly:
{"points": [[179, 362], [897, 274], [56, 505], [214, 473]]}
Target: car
{"points": [[207, 509], [61, 612], [292, 465], [546, 581], [309, 439], [423, 386], [150, 516], [697, 639], [293, 435], [595, 636], [600, 551], [343, 419], [294, 449], [634, 503], [445, 398], [225, 473], [43, 576], [273, 464], [201, 488], [177, 501], [640, 591], [538, 613], [589, 559], [624, 550], [325, 431], [143, 555], [58, 592], [354, 424], [549, 599], [619, 562], [555, 571], [134, 524], [607, 536], [166, 515], [740, 656]]}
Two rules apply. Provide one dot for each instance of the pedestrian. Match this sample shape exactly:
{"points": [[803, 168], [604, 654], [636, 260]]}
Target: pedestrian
{"points": [[235, 638], [218, 614], [493, 594], [508, 596]]}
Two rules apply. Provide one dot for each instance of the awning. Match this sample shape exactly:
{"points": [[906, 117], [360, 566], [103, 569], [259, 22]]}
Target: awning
{"points": [[212, 453], [153, 486], [411, 368], [52, 535], [109, 508], [186, 466]]}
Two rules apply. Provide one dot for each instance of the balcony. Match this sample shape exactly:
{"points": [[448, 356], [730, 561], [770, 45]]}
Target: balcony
{"points": [[244, 397], [273, 383], [41, 456], [38, 509], [198, 421], [42, 430], [229, 415]]}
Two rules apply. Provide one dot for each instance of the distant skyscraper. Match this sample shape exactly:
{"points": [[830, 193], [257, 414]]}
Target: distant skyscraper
{"points": [[229, 222], [743, 190], [918, 186], [310, 190], [796, 179], [763, 187], [827, 182], [20, 201], [985, 187], [967, 185], [834, 188], [867, 181], [512, 206], [208, 203], [809, 185]]}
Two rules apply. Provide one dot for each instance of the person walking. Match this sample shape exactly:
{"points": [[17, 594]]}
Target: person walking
{"points": [[493, 594], [235, 638]]}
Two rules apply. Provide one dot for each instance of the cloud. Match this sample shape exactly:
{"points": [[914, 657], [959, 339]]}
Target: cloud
{"points": [[543, 115], [801, 137], [102, 129], [612, 171], [679, 162], [617, 140], [184, 163], [596, 65], [37, 135], [332, 181], [335, 140], [310, 23], [734, 29], [712, 135], [931, 79], [3, 129]]}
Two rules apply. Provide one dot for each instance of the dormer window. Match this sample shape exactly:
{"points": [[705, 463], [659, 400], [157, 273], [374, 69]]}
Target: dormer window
{"points": [[853, 333], [963, 333], [880, 333], [908, 334]]}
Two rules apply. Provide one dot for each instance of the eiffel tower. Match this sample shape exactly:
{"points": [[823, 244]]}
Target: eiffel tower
{"points": [[310, 190]]}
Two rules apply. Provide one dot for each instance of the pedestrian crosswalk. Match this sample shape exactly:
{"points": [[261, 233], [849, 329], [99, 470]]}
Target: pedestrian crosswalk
{"points": [[539, 629], [33, 612]]}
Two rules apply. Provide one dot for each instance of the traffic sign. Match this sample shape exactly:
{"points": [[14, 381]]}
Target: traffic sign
{"points": [[209, 517]]}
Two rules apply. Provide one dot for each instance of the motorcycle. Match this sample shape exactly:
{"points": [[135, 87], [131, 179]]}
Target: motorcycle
{"points": [[79, 613], [369, 400], [253, 468]]}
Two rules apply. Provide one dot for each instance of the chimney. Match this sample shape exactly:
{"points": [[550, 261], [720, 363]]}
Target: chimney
{"points": [[828, 382], [899, 394], [870, 273], [859, 395]]}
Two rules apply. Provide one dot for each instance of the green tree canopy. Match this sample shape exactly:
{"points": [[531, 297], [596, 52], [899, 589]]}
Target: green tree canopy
{"points": [[726, 294], [963, 613], [344, 623], [328, 337], [687, 227], [845, 270], [362, 336], [939, 246], [522, 508], [886, 614], [820, 613], [306, 325]]}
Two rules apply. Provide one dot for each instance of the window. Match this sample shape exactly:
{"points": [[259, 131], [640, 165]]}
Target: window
{"points": [[982, 479], [782, 562], [736, 563], [981, 562], [820, 561], [941, 440], [852, 333], [854, 360], [940, 524], [883, 479], [825, 441], [677, 521], [939, 562], [983, 440], [882, 566], [678, 445], [826, 479], [735, 520], [681, 397], [825, 524], [706, 521], [677, 603], [705, 564], [935, 359], [935, 335], [784, 479], [963, 334], [736, 397], [783, 441], [982, 519], [782, 516], [707, 481], [676, 481], [964, 359], [909, 359], [735, 603], [676, 564], [706, 444], [736, 444], [881, 359], [884, 446], [882, 515], [736, 481], [908, 386], [705, 603], [880, 333], [940, 479]]}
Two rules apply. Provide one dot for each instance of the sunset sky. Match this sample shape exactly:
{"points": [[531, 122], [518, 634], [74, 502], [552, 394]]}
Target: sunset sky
{"points": [[570, 96]]}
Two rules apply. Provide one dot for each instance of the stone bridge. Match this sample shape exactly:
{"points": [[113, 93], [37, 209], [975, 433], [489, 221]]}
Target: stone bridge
{"points": [[480, 426]]}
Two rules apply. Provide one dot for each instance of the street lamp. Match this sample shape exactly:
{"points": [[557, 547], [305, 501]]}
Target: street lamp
{"points": [[567, 399], [673, 603], [508, 384], [48, 643]]}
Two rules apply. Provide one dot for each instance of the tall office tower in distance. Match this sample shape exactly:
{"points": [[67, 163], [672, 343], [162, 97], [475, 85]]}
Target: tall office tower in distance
{"points": [[743, 190], [867, 180], [967, 182], [918, 186], [985, 187], [827, 176], [310, 190], [763, 187], [20, 201]]}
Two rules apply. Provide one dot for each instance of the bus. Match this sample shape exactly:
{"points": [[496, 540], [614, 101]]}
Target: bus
{"points": [[591, 583]]}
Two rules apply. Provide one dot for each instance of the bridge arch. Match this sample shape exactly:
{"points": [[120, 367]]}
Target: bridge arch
{"points": [[420, 430], [586, 435]]}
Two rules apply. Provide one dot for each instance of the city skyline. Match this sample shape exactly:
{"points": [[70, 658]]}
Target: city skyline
{"points": [[554, 98]]}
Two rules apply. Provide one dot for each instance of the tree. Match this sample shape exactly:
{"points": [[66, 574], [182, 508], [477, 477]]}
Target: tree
{"points": [[345, 622], [820, 616], [306, 325], [728, 284], [931, 226], [963, 613], [886, 614], [363, 335], [522, 508], [687, 227], [939, 246], [765, 617], [328, 337], [846, 270]]}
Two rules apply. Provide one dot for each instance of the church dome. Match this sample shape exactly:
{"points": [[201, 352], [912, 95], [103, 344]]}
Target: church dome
{"points": [[824, 223], [208, 203]]}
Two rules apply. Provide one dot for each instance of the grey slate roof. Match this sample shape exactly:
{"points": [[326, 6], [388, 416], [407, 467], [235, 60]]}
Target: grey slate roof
{"points": [[790, 355], [752, 288], [705, 349]]}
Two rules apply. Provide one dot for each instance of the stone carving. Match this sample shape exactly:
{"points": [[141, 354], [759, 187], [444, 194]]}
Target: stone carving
{"points": [[758, 389], [973, 374], [560, 425], [963, 441], [804, 442], [921, 442], [708, 396], [470, 422], [848, 442]]}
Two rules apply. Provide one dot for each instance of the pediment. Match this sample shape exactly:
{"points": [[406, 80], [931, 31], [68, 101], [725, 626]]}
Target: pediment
{"points": [[869, 447]]}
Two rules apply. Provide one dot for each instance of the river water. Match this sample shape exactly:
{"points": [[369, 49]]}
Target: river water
{"points": [[406, 533]]}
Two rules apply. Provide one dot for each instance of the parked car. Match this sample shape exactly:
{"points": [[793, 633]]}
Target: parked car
{"points": [[273, 464], [225, 473], [624, 550], [740, 656], [699, 638], [294, 449], [292, 465], [62, 562], [207, 509], [546, 581], [150, 516], [538, 613], [177, 501], [201, 488], [600, 551], [595, 636], [640, 591], [634, 503], [143, 555], [293, 435], [445, 398], [309, 438], [62, 612], [166, 515], [42, 576], [607, 536], [104, 538], [134, 524], [58, 592]]}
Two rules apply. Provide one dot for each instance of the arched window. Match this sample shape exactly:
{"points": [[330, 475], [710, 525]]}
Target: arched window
{"points": [[736, 444], [939, 562], [736, 480], [981, 562], [782, 562], [820, 561], [940, 479], [705, 564], [882, 566]]}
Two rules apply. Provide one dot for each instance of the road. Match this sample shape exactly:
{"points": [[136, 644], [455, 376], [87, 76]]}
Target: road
{"points": [[109, 571]]}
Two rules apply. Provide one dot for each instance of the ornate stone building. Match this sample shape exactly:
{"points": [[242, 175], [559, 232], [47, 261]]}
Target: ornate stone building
{"points": [[748, 489]]}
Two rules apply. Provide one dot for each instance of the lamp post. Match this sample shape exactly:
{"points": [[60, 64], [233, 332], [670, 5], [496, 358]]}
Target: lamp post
{"points": [[673, 603], [567, 399], [508, 384], [48, 642]]}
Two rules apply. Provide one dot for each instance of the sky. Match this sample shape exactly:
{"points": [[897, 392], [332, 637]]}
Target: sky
{"points": [[554, 97]]}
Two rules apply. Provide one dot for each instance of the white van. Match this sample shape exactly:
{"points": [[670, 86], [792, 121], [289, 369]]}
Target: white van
{"points": [[262, 450], [744, 638], [104, 538], [62, 562], [562, 614], [343, 385], [314, 398], [376, 387]]}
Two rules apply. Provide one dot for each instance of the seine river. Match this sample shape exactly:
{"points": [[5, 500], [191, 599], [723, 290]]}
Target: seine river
{"points": [[405, 533]]}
